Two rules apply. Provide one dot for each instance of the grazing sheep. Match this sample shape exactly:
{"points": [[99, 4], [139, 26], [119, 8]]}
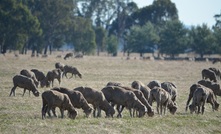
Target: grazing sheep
{"points": [[209, 84], [171, 89], [154, 83], [24, 82], [216, 71], [163, 99], [40, 76], [98, 100], [119, 96], [29, 74], [60, 66], [73, 70], [206, 73], [200, 96], [54, 74], [114, 84], [142, 98], [77, 99], [52, 99], [68, 55], [193, 89], [143, 88]]}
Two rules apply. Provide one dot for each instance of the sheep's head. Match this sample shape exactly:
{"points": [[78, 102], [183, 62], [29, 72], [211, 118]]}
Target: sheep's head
{"points": [[72, 113], [173, 109], [80, 75], [192, 108], [36, 93], [110, 112], [150, 112], [216, 106], [88, 112]]}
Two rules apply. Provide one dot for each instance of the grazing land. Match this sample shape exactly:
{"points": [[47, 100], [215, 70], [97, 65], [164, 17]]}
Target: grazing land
{"points": [[23, 114]]}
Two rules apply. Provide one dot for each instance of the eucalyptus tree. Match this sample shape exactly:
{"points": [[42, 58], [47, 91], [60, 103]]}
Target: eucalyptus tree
{"points": [[202, 40], [17, 24], [173, 38]]}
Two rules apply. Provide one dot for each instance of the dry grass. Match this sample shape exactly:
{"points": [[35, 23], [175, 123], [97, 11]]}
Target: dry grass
{"points": [[23, 114]]}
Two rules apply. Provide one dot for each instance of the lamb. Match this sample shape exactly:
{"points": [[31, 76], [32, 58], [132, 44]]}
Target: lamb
{"points": [[68, 55], [72, 70], [206, 73], [40, 76], [24, 82], [29, 74], [52, 99], [171, 89], [143, 88], [200, 96], [119, 96], [77, 99], [54, 74], [98, 100], [154, 83], [163, 99], [214, 86], [60, 66], [141, 97]]}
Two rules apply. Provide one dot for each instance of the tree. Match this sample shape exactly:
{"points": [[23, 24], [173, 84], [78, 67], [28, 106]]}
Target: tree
{"points": [[17, 25], [142, 39], [202, 40], [100, 39], [112, 45], [173, 38]]}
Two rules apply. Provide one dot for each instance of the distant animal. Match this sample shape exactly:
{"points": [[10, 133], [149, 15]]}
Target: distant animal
{"points": [[171, 89], [77, 99], [68, 55], [54, 74], [154, 83], [24, 82], [98, 100], [73, 70], [78, 56], [200, 96], [209, 74], [60, 66], [114, 84], [216, 60], [52, 99], [40, 76], [119, 96], [163, 99], [30, 74], [214, 86]]}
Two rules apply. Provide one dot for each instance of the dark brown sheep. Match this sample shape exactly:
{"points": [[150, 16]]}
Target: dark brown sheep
{"points": [[163, 99], [40, 76], [98, 100], [60, 66], [214, 86], [171, 89], [143, 88], [192, 89], [142, 98], [73, 70], [52, 99], [77, 99], [216, 71], [154, 83], [209, 74], [29, 74], [200, 96], [68, 55], [24, 82], [114, 84], [119, 96], [54, 74]]}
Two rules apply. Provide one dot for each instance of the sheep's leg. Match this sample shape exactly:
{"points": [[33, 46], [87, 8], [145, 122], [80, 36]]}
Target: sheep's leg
{"points": [[43, 110], [98, 112], [94, 112], [158, 108], [13, 91], [71, 75], [53, 111], [161, 109], [188, 101], [24, 92], [130, 112], [119, 110], [203, 107], [62, 112]]}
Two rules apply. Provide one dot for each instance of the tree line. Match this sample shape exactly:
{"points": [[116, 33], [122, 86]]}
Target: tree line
{"points": [[94, 26]]}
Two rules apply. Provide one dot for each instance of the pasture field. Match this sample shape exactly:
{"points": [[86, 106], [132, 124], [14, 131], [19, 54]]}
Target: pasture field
{"points": [[23, 114]]}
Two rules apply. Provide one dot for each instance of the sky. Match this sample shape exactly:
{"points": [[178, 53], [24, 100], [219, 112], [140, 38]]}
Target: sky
{"points": [[193, 12]]}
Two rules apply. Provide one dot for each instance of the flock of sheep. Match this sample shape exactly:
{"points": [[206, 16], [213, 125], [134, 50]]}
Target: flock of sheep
{"points": [[138, 98]]}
